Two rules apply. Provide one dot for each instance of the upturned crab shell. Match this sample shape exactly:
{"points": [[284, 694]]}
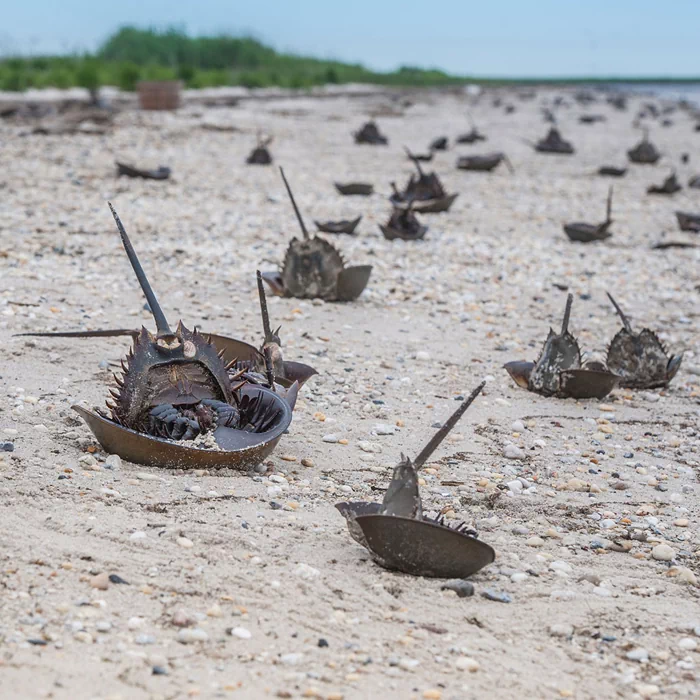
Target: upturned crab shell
{"points": [[587, 383], [350, 510], [481, 163], [471, 136], [363, 189], [428, 206], [239, 449], [581, 232], [644, 153], [669, 186], [161, 173], [343, 226], [688, 222], [554, 143], [611, 171], [422, 547], [350, 284]]}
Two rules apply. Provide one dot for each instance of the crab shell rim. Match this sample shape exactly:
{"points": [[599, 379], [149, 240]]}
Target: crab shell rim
{"points": [[581, 383], [413, 547], [351, 283], [428, 206], [148, 450], [392, 234]]}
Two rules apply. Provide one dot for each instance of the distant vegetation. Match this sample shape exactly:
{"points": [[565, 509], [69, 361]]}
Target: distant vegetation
{"points": [[134, 54]]}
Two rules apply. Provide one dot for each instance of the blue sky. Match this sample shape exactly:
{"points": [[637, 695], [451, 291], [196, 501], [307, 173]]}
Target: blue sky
{"points": [[487, 37]]}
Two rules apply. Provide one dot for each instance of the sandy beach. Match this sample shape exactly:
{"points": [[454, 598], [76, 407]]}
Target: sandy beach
{"points": [[248, 585]]}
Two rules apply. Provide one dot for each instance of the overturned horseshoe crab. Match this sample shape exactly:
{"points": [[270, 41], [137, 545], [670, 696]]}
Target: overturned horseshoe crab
{"points": [[611, 171], [176, 405], [260, 155], [640, 359], [484, 163], [314, 269], [669, 186], [588, 233], [343, 226], [403, 224], [425, 192], [370, 134], [161, 173], [644, 152], [471, 136], [400, 537], [559, 371], [688, 222], [554, 143], [361, 189]]}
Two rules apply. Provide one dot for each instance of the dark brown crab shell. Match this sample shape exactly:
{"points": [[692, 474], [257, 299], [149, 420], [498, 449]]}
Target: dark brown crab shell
{"points": [[582, 383], [403, 224], [314, 269], [370, 134], [471, 136], [362, 189], [422, 547], [644, 153], [180, 370], [427, 206], [559, 352], [260, 155], [343, 226], [554, 143], [481, 163], [581, 232], [161, 173], [237, 449], [641, 360], [688, 222], [611, 171], [439, 144], [669, 186]]}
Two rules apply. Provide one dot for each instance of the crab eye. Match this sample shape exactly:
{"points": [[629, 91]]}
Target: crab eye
{"points": [[168, 344]]}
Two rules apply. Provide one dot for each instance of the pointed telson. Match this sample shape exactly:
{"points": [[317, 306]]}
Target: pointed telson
{"points": [[567, 314], [158, 315], [620, 313], [269, 336], [294, 204]]}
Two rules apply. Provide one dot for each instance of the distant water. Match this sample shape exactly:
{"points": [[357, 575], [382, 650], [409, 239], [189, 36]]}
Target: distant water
{"points": [[665, 91]]}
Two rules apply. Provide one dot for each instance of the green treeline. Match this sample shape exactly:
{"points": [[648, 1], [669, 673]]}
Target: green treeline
{"points": [[134, 54]]}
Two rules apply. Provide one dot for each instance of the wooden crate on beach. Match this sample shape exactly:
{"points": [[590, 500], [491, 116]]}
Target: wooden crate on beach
{"points": [[160, 94]]}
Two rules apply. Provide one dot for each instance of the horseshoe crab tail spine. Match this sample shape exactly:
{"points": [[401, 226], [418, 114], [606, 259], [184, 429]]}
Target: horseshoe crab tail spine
{"points": [[567, 314], [263, 308], [608, 210], [158, 315], [620, 313], [415, 160], [450, 423], [294, 204], [267, 353]]}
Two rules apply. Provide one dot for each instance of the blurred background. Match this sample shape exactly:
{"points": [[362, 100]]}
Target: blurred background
{"points": [[300, 44]]}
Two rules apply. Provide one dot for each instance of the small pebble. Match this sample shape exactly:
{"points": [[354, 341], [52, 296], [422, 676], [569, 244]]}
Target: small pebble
{"points": [[498, 596], [463, 589], [662, 552], [190, 635]]}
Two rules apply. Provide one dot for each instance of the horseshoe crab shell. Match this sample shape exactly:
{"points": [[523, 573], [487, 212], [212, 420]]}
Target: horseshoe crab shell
{"points": [[669, 186], [644, 153], [588, 233], [398, 535], [403, 224], [370, 134], [344, 226], [559, 371], [161, 173], [554, 143], [314, 269], [260, 155], [425, 192], [483, 163], [362, 189], [688, 222], [640, 359], [612, 171]]}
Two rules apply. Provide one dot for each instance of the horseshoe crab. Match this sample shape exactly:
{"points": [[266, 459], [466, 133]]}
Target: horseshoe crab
{"points": [[425, 192], [669, 186], [471, 136], [260, 155], [644, 152], [403, 224], [344, 226], [554, 143], [314, 269], [422, 157], [694, 182], [176, 405], [161, 173], [688, 222], [611, 171], [559, 371], [640, 359], [370, 134], [400, 537], [484, 163], [363, 189], [589, 233], [439, 144]]}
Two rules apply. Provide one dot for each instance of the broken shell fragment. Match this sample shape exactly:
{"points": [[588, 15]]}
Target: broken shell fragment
{"points": [[400, 537]]}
